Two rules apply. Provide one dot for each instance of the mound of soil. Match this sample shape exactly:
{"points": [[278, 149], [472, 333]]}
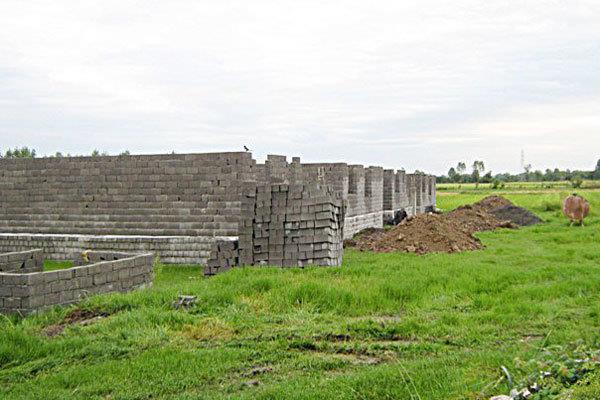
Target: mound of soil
{"points": [[450, 233], [491, 203], [422, 234], [476, 219], [504, 210], [517, 215]]}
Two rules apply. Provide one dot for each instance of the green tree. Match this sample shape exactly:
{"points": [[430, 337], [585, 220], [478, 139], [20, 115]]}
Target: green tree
{"points": [[96, 153], [478, 169], [452, 175], [23, 152]]}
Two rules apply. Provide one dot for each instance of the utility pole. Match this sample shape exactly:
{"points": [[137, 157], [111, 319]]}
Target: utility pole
{"points": [[522, 160]]}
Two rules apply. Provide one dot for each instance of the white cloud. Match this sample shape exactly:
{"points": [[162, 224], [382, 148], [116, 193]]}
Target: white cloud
{"points": [[414, 84]]}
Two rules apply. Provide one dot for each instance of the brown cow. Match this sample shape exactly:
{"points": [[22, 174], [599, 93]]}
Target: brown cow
{"points": [[576, 208]]}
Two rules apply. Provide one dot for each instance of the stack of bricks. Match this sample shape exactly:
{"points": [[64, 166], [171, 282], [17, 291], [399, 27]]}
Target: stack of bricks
{"points": [[395, 197], [224, 255], [27, 292], [22, 262], [298, 225], [288, 226]]}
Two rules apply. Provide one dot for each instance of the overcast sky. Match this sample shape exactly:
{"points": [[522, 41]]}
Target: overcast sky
{"points": [[414, 84]]}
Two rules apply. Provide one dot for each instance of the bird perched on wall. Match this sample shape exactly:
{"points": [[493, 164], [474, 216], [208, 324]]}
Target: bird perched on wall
{"points": [[247, 149]]}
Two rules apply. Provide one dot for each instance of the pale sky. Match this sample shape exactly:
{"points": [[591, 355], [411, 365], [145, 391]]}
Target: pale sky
{"points": [[413, 84]]}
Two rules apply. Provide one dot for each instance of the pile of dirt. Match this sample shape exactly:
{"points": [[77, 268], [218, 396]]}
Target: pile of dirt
{"points": [[449, 233], [422, 234], [504, 210], [517, 215]]}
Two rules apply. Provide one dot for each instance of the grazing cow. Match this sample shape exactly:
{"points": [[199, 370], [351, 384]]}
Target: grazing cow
{"points": [[576, 208]]}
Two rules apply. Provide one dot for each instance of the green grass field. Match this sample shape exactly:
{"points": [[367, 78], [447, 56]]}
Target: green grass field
{"points": [[382, 326]]}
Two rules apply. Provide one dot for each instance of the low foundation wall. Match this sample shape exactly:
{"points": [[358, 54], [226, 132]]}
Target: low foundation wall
{"points": [[24, 293], [353, 225], [171, 249], [22, 262]]}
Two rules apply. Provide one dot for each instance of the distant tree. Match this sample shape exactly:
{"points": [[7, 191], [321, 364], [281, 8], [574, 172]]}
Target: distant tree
{"points": [[461, 168], [452, 174], [596, 174], [58, 154], [125, 153], [23, 152], [478, 168], [487, 178], [96, 153]]}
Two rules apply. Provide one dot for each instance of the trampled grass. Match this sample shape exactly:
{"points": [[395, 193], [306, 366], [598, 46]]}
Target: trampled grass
{"points": [[382, 326]]}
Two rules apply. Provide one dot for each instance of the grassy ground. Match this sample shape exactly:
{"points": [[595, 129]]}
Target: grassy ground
{"points": [[383, 326], [520, 186]]}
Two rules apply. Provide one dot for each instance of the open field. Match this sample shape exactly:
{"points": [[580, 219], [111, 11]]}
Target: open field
{"points": [[383, 326], [517, 186]]}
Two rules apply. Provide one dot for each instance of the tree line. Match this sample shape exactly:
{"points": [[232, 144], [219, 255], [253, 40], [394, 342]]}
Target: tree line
{"points": [[26, 152], [460, 174]]}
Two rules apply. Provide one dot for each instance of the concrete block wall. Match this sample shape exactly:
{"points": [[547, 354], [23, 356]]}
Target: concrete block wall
{"points": [[421, 193], [22, 261], [389, 189], [183, 195], [178, 205], [24, 293], [401, 196], [365, 199]]}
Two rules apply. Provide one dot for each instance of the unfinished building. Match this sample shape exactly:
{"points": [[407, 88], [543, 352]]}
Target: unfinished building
{"points": [[216, 209]]}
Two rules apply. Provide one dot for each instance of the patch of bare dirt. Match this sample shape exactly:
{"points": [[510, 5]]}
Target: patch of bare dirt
{"points": [[75, 317], [449, 233]]}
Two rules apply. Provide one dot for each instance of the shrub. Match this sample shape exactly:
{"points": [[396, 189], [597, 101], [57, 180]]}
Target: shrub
{"points": [[550, 206]]}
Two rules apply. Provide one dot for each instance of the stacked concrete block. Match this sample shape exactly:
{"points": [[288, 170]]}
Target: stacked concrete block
{"points": [[430, 194], [225, 255], [422, 193], [395, 196], [292, 226], [414, 197], [334, 175], [374, 189], [22, 261], [401, 197], [389, 189], [27, 292], [365, 199], [297, 225]]}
